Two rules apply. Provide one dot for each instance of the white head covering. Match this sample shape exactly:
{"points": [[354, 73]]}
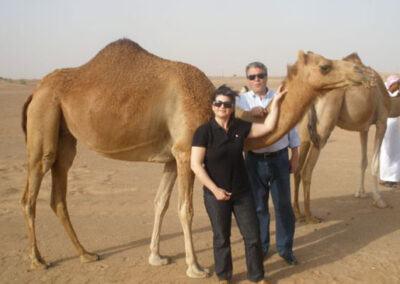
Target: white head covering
{"points": [[391, 80]]}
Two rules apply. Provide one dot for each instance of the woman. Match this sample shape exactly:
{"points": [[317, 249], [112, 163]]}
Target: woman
{"points": [[218, 145], [390, 149]]}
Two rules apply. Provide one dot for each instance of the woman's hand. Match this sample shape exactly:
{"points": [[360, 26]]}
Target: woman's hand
{"points": [[280, 93], [222, 195]]}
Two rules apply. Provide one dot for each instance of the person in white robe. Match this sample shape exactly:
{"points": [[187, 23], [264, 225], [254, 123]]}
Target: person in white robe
{"points": [[390, 149]]}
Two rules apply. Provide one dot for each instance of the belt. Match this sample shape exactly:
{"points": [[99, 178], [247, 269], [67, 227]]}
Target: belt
{"points": [[267, 155]]}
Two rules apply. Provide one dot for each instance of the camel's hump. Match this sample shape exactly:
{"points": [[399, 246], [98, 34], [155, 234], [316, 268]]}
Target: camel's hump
{"points": [[123, 43], [120, 48]]}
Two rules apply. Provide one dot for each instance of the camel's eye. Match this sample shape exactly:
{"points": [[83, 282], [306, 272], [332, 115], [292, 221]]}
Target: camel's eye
{"points": [[325, 68]]}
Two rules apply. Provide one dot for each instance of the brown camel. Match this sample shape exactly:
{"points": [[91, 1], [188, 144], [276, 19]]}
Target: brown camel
{"points": [[128, 104], [353, 108]]}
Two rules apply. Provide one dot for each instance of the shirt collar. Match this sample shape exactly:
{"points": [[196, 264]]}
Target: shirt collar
{"points": [[214, 123], [255, 95]]}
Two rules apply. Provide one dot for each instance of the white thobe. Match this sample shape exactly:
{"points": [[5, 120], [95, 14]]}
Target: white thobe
{"points": [[390, 150]]}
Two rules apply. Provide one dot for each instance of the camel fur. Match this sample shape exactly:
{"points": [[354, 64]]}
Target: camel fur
{"points": [[131, 105]]}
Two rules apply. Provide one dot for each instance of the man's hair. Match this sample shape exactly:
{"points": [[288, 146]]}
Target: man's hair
{"points": [[257, 64], [225, 91]]}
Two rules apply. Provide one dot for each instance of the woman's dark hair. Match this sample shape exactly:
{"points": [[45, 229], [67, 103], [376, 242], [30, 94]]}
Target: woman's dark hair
{"points": [[224, 90]]}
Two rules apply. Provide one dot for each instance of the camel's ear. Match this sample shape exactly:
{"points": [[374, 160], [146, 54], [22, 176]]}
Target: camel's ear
{"points": [[302, 57], [353, 57]]}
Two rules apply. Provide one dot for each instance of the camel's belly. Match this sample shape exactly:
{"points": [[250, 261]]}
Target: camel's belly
{"points": [[145, 154], [133, 141], [155, 149]]}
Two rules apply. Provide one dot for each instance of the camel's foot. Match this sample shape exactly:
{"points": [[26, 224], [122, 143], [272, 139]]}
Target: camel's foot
{"points": [[360, 194], [156, 259], [300, 218], [38, 264], [89, 257], [380, 203], [312, 219], [297, 215], [195, 271]]}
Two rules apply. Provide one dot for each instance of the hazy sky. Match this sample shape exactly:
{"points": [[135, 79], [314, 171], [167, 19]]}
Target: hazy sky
{"points": [[219, 37]]}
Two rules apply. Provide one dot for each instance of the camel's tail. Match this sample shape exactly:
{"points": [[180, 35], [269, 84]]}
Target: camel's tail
{"points": [[312, 126], [24, 115]]}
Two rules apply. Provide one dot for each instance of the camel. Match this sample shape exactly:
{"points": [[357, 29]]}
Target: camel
{"points": [[353, 108], [131, 105]]}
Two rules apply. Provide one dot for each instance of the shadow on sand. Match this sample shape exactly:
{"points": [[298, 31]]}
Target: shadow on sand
{"points": [[355, 224], [349, 224]]}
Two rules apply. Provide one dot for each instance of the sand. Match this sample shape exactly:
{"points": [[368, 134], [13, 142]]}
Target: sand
{"points": [[111, 208]]}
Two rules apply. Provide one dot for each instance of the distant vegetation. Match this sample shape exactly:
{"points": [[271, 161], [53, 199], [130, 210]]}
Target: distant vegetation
{"points": [[19, 81]]}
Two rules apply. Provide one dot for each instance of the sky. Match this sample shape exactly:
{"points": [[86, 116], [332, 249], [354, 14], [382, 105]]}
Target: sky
{"points": [[217, 36]]}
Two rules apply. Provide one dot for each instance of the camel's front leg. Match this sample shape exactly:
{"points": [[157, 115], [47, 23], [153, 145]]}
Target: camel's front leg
{"points": [[161, 203], [379, 134], [185, 211], [360, 193]]}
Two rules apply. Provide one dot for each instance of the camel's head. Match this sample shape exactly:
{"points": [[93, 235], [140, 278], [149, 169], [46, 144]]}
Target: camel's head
{"points": [[322, 74]]}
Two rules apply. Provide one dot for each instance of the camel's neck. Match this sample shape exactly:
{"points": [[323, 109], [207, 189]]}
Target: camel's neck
{"points": [[296, 102]]}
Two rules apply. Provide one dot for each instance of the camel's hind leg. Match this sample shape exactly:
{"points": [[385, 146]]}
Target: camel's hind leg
{"points": [[65, 156], [161, 203], [306, 175], [379, 134], [28, 203], [42, 137], [185, 211]]}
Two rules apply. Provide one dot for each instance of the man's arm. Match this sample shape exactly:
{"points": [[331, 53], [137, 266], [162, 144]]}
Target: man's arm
{"points": [[248, 115], [243, 110]]}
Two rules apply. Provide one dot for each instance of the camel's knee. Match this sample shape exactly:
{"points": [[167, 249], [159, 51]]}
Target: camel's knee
{"points": [[29, 209], [60, 210], [56, 204], [161, 205], [306, 178], [186, 213]]}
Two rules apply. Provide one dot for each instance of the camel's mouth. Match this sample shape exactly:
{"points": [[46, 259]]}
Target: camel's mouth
{"points": [[341, 84], [356, 82]]}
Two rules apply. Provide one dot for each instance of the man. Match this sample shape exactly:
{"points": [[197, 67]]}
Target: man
{"points": [[390, 149], [269, 168]]}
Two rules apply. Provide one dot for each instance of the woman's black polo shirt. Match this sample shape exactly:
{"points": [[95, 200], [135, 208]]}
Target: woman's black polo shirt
{"points": [[224, 159]]}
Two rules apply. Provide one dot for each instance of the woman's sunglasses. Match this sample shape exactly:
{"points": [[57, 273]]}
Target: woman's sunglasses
{"points": [[259, 76], [225, 104]]}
